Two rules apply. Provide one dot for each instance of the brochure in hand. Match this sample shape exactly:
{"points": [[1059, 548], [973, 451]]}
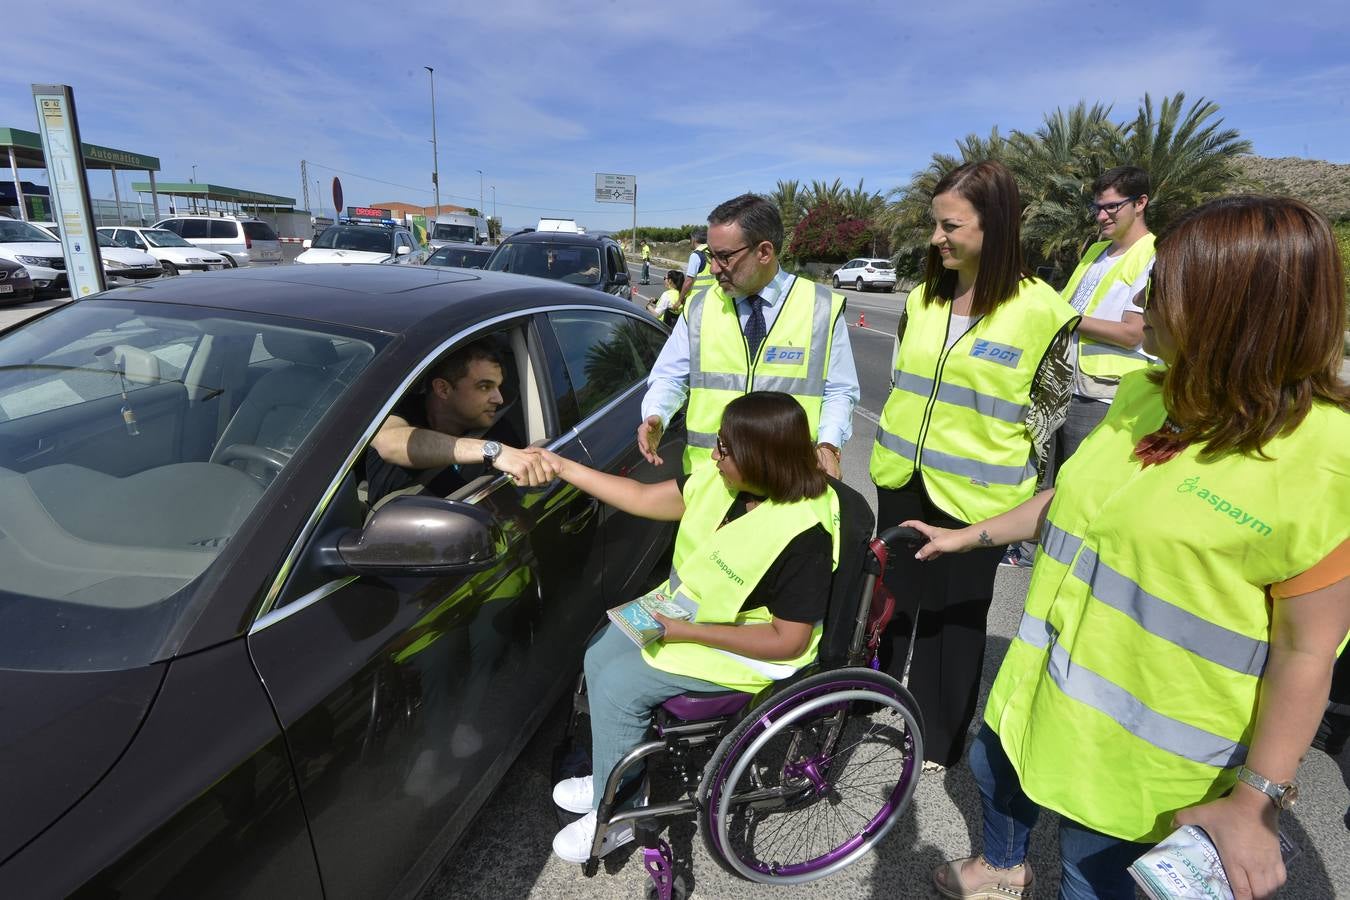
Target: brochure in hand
{"points": [[1186, 866], [635, 617]]}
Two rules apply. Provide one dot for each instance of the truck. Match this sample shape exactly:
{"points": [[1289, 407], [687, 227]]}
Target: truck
{"points": [[458, 228], [569, 226]]}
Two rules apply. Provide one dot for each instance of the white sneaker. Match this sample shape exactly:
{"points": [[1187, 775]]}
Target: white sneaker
{"points": [[575, 794], [573, 843]]}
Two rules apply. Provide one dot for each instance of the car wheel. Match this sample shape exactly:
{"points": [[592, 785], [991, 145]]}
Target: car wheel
{"points": [[169, 268], [858, 285], [836, 282], [229, 261]]}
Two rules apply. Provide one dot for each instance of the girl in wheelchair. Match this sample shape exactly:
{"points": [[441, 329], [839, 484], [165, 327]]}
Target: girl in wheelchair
{"points": [[757, 543]]}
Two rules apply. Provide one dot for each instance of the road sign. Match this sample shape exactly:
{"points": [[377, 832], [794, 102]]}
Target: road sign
{"points": [[615, 188], [71, 208], [337, 193]]}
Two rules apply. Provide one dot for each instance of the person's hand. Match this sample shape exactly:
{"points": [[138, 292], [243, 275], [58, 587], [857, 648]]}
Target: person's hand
{"points": [[940, 540], [649, 438], [1245, 830], [676, 629], [828, 460], [554, 464], [526, 468]]}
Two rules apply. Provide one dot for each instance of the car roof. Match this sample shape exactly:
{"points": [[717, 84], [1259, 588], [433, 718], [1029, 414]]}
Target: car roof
{"points": [[213, 218], [370, 296], [557, 237]]}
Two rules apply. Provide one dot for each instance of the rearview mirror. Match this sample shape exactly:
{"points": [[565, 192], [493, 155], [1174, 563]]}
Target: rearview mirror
{"points": [[307, 244], [403, 250], [620, 277], [418, 535]]}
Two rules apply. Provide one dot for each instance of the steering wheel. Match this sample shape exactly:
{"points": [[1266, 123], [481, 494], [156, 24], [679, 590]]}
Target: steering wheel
{"points": [[274, 459]]}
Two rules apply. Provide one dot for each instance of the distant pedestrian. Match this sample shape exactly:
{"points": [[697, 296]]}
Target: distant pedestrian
{"points": [[980, 382], [756, 328], [1106, 289], [646, 263]]}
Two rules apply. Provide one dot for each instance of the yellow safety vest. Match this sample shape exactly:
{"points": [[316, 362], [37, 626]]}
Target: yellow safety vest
{"points": [[959, 414], [1130, 689], [705, 278], [793, 358], [1102, 360], [646, 253], [716, 568]]}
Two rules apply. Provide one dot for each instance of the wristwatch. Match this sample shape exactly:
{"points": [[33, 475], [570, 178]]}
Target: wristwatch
{"points": [[1284, 796], [491, 450]]}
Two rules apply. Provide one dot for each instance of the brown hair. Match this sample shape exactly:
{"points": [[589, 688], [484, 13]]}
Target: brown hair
{"points": [[1250, 290], [768, 436], [455, 366], [989, 187]]}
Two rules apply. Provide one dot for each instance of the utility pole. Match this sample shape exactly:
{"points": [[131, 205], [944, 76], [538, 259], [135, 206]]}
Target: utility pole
{"points": [[480, 194], [304, 183], [494, 211], [435, 153]]}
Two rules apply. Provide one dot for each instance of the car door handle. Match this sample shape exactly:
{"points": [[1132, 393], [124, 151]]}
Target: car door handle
{"points": [[577, 523]]}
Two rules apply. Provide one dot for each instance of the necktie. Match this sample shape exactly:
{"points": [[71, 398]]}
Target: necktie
{"points": [[754, 325]]}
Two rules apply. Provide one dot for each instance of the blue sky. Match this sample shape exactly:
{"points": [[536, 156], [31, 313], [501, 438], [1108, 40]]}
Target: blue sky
{"points": [[699, 100]]}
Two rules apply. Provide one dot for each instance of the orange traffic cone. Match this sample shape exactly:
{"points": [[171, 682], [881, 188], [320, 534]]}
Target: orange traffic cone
{"points": [[862, 320]]}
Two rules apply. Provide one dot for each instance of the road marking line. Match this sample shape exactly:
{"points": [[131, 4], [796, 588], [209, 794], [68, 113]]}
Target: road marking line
{"points": [[867, 414]]}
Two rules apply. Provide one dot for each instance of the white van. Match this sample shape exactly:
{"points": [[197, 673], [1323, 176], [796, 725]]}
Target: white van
{"points": [[568, 226], [241, 240], [457, 228]]}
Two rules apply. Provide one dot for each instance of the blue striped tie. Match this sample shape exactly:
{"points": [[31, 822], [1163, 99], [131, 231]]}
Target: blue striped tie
{"points": [[754, 324]]}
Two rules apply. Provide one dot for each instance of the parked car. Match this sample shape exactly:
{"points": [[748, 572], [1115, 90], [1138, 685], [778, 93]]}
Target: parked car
{"points": [[595, 262], [242, 241], [121, 265], [866, 274], [462, 255], [38, 252], [174, 254], [15, 284], [277, 689], [359, 242]]}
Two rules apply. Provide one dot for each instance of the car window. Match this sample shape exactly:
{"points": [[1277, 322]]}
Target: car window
{"points": [[221, 228], [193, 228], [258, 231], [172, 225], [361, 238], [605, 354], [573, 263], [883, 264], [113, 412]]}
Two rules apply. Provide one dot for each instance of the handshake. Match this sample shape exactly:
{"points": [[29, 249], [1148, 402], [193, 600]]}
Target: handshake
{"points": [[531, 466]]}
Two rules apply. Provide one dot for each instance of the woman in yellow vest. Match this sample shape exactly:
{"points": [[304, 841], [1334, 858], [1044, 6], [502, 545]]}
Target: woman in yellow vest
{"points": [[981, 381], [757, 542], [1193, 586]]}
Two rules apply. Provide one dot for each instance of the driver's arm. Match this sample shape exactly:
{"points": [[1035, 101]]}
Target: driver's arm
{"points": [[411, 447]]}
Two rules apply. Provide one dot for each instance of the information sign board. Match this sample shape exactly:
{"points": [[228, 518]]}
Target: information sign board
{"points": [[69, 188], [615, 188]]}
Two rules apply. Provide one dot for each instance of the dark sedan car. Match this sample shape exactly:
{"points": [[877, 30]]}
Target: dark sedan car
{"points": [[594, 262], [224, 672], [15, 284], [463, 256]]}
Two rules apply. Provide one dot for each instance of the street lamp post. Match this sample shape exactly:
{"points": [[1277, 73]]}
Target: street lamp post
{"points": [[494, 206], [435, 153], [480, 192], [194, 181]]}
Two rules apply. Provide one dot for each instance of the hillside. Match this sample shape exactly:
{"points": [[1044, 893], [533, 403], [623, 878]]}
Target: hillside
{"points": [[1322, 185]]}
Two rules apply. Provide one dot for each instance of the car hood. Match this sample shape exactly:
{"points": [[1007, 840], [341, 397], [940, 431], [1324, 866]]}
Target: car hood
{"points": [[316, 255], [31, 248], [183, 254], [63, 731], [127, 256]]}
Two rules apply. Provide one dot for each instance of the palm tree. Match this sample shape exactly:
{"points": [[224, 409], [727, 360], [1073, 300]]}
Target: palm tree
{"points": [[790, 199], [820, 193]]}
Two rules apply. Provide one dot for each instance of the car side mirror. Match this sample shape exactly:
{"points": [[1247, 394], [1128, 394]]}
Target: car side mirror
{"points": [[403, 250], [621, 278], [418, 535], [307, 244]]}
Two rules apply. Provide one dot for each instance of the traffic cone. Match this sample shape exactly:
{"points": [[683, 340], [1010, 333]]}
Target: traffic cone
{"points": [[862, 320]]}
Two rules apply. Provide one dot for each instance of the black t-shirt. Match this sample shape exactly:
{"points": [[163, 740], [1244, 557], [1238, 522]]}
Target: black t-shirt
{"points": [[796, 586], [385, 477]]}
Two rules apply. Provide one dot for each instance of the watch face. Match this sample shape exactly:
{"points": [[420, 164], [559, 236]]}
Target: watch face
{"points": [[491, 450], [1289, 797]]}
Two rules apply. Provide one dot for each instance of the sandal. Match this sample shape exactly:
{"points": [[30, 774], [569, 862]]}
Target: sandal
{"points": [[947, 879]]}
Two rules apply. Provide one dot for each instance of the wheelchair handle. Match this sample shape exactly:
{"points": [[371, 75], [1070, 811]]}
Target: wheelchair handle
{"points": [[897, 534]]}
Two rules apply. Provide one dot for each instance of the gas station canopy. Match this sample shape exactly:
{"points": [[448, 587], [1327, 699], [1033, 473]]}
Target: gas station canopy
{"points": [[208, 192], [24, 149]]}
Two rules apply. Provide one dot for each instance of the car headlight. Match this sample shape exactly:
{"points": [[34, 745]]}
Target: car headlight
{"points": [[20, 275], [113, 264], [34, 260], [194, 259]]}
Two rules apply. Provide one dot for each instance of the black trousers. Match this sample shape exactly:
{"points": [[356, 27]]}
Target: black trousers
{"points": [[952, 595]]}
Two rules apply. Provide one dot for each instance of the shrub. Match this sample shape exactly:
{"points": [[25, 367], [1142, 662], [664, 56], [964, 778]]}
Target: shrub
{"points": [[829, 234]]}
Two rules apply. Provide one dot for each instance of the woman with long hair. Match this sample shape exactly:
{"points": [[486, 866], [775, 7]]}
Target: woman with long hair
{"points": [[1193, 587], [981, 381], [754, 553]]}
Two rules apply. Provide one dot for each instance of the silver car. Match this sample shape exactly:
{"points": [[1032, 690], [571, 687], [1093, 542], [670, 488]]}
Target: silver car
{"points": [[241, 240]]}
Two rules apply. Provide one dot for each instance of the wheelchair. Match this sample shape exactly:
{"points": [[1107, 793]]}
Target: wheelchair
{"points": [[797, 782]]}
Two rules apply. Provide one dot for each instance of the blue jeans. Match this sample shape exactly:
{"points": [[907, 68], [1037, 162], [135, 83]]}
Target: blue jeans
{"points": [[1093, 864], [623, 690]]}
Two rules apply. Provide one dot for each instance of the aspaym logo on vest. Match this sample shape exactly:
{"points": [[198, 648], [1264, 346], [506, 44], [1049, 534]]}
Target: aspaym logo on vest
{"points": [[1003, 354], [784, 355], [1191, 485], [726, 569]]}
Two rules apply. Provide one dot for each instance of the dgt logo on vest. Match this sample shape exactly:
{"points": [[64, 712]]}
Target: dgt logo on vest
{"points": [[784, 354], [1002, 354]]}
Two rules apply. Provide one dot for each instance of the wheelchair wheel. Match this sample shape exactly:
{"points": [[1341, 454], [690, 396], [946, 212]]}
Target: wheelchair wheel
{"points": [[813, 778]]}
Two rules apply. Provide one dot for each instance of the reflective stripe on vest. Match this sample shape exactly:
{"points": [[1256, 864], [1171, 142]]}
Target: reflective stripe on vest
{"points": [[794, 358], [1131, 688], [1102, 360], [959, 413], [716, 569]]}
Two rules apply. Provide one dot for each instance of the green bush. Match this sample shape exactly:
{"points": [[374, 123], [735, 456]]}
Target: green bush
{"points": [[828, 233], [658, 235], [1342, 231]]}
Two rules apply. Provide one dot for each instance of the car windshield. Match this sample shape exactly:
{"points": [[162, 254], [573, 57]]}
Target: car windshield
{"points": [[463, 233], [464, 257], [573, 263], [13, 231], [136, 440], [365, 238], [158, 237]]}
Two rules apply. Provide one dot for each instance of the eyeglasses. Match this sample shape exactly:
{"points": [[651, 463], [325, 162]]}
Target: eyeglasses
{"points": [[722, 449], [1112, 208], [724, 259]]}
